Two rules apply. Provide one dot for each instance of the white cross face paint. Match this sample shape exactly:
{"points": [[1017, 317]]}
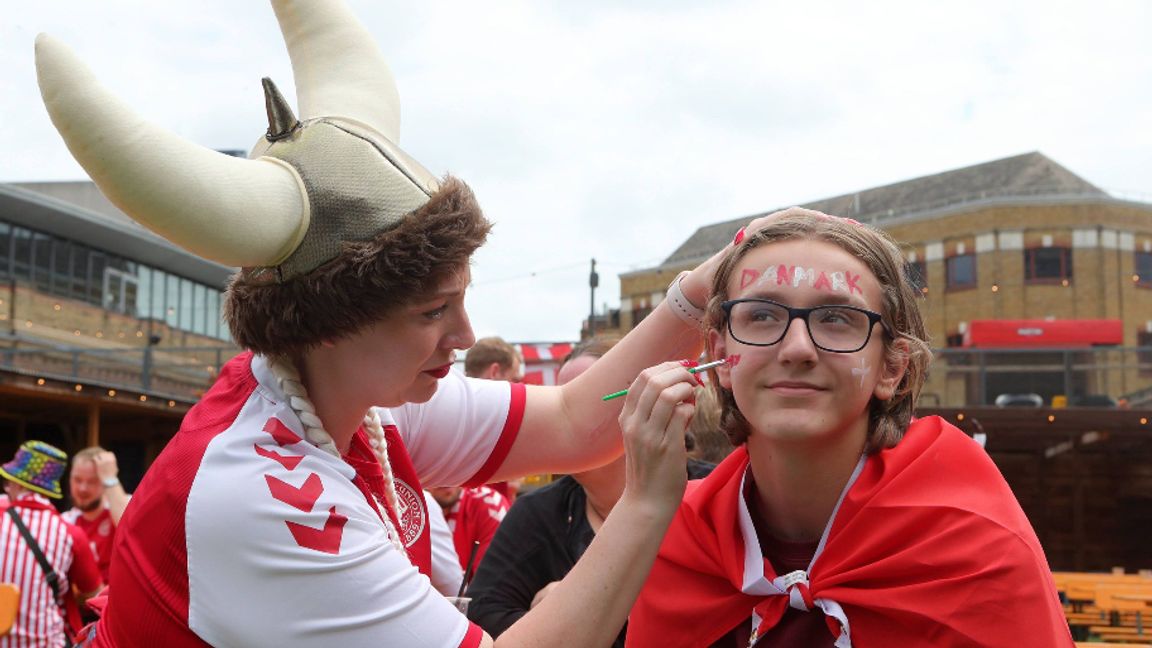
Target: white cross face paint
{"points": [[862, 371]]}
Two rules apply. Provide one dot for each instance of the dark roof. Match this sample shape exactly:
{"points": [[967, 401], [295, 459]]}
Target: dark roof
{"points": [[1028, 175], [78, 211]]}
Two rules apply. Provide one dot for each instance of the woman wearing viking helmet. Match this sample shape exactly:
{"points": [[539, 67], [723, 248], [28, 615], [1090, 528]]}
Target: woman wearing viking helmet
{"points": [[287, 509]]}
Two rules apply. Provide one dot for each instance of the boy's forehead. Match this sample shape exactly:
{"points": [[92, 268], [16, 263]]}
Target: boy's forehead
{"points": [[780, 268]]}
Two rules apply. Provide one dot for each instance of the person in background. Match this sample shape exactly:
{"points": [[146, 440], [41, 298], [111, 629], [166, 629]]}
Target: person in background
{"points": [[98, 500], [493, 358], [838, 520], [47, 616], [473, 515], [547, 530]]}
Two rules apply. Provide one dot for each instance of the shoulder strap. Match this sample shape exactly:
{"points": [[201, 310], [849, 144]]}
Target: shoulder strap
{"points": [[49, 573]]}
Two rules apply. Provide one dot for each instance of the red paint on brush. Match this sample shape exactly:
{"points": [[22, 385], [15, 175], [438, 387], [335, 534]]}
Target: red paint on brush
{"points": [[733, 360]]}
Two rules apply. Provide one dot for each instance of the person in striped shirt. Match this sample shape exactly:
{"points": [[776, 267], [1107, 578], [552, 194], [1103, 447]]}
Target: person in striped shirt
{"points": [[30, 479]]}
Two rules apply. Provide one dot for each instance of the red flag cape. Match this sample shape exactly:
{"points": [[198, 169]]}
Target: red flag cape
{"points": [[928, 547]]}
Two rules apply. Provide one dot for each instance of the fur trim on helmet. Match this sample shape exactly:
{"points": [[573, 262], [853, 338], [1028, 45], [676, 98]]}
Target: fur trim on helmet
{"points": [[368, 281]]}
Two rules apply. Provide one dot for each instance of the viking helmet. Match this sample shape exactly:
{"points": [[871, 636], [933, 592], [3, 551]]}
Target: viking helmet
{"points": [[331, 222], [335, 175]]}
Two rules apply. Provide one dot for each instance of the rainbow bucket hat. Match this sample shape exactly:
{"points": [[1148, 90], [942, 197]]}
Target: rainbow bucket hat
{"points": [[38, 467]]}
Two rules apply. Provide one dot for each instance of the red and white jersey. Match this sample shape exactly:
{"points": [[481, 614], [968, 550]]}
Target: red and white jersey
{"points": [[101, 532], [447, 575], [243, 533], [474, 518], [39, 621]]}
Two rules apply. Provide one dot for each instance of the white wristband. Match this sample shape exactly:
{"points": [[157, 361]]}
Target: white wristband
{"points": [[684, 309], [111, 482]]}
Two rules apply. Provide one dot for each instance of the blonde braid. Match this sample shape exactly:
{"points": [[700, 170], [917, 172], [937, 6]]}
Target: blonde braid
{"points": [[380, 446], [288, 379]]}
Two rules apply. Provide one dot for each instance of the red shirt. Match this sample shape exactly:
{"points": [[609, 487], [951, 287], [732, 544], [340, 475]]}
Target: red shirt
{"points": [[101, 533], [244, 533], [474, 518]]}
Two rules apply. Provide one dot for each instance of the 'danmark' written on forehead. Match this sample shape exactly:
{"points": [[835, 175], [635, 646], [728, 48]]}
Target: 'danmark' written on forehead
{"points": [[796, 276]]}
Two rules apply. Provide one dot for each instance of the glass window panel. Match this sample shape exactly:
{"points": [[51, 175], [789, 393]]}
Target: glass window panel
{"points": [[917, 272], [171, 299], [21, 253], [186, 307], [96, 264], [131, 293], [1051, 264], [113, 288], [1144, 268], [200, 309], [961, 271], [42, 260], [62, 268], [144, 293], [80, 260], [5, 250], [159, 283], [213, 307]]}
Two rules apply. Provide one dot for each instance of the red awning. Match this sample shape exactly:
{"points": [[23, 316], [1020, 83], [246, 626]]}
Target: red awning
{"points": [[544, 352], [1044, 333], [541, 360]]}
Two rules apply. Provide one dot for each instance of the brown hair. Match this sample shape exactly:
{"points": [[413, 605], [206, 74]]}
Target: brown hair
{"points": [[364, 284], [486, 351], [88, 453], [709, 442], [594, 346], [887, 420]]}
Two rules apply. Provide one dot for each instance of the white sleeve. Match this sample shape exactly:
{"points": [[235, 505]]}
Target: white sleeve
{"points": [[446, 572], [281, 556], [466, 428]]}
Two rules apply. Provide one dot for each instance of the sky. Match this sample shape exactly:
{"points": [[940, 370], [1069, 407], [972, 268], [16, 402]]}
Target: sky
{"points": [[613, 130]]}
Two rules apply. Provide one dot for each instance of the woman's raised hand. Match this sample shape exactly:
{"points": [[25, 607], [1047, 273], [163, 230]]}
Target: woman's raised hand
{"points": [[655, 417]]}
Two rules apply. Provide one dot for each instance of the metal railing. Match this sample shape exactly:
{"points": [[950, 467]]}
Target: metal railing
{"points": [[172, 373], [965, 376]]}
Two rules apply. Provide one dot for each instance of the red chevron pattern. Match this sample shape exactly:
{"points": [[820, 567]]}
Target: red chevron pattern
{"points": [[303, 498], [326, 540], [290, 462]]}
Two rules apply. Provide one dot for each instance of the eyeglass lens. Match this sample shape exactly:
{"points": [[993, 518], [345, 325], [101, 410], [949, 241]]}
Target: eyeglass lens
{"points": [[835, 328]]}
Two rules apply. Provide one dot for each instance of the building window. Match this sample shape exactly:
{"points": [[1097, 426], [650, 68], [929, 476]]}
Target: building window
{"points": [[1144, 355], [1143, 269], [917, 273], [5, 250], [1048, 265], [638, 314], [960, 271]]}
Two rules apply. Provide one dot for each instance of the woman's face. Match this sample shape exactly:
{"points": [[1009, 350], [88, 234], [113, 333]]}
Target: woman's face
{"points": [[401, 358], [793, 391]]}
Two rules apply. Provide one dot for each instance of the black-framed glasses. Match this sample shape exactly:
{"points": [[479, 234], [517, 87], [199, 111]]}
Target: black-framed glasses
{"points": [[835, 328]]}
